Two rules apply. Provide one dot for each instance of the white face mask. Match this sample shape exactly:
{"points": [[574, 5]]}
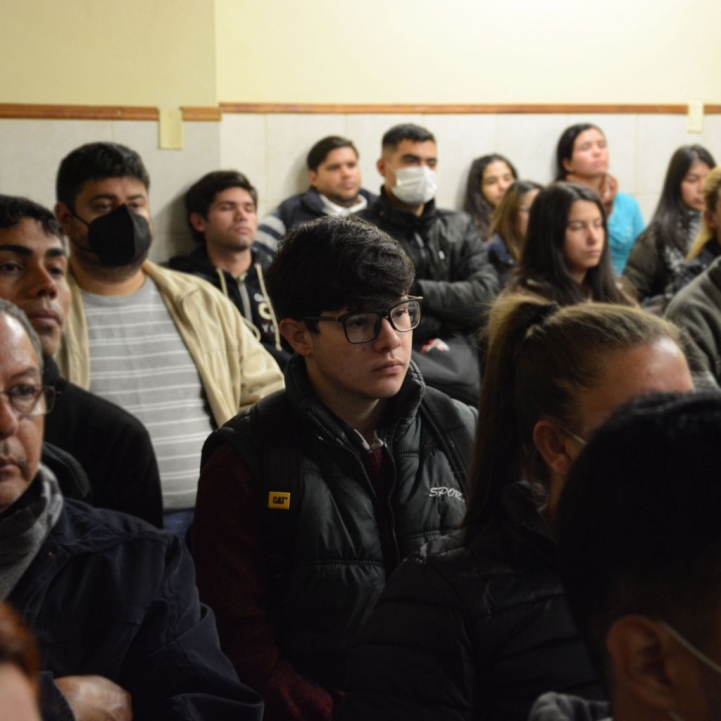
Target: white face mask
{"points": [[700, 655], [415, 185]]}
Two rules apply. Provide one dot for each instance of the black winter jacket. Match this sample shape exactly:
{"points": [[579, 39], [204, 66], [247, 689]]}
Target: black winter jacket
{"points": [[346, 540], [112, 446], [113, 596], [252, 301], [453, 273], [293, 211], [474, 626]]}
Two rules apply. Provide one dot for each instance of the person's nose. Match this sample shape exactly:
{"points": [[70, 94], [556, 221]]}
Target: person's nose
{"points": [[8, 418], [388, 337], [44, 283]]}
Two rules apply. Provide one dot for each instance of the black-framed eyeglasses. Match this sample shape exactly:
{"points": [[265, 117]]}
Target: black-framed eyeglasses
{"points": [[365, 327], [28, 400]]}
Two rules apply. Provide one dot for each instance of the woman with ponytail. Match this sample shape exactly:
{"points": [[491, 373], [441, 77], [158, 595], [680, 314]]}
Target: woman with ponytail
{"points": [[475, 626]]}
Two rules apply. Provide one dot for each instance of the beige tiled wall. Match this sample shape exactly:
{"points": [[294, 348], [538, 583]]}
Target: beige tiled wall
{"points": [[271, 150]]}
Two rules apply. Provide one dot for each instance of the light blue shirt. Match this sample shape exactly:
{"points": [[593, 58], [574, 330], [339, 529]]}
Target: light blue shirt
{"points": [[624, 225]]}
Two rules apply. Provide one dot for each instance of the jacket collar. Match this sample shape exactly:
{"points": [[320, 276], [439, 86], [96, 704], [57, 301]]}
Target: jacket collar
{"points": [[404, 218], [401, 411]]}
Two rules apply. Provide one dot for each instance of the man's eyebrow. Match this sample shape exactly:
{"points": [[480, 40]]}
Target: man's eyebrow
{"points": [[29, 371], [17, 249], [56, 253]]}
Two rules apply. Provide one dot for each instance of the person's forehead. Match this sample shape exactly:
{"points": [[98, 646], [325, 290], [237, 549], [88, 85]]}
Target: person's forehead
{"points": [[30, 235], [233, 195], [423, 149], [339, 155], [18, 353], [123, 187]]}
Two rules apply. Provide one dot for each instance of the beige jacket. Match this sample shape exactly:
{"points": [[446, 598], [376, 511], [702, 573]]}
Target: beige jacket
{"points": [[234, 368]]}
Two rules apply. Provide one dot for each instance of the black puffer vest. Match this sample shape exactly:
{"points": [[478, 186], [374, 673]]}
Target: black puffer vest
{"points": [[345, 541]]}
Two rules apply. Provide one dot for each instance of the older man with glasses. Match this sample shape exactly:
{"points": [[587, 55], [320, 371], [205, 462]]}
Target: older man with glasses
{"points": [[110, 599], [307, 502]]}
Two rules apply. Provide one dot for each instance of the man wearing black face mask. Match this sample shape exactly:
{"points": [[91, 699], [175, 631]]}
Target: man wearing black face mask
{"points": [[166, 346]]}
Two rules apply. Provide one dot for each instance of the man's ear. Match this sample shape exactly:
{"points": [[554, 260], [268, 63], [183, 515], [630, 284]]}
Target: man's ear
{"points": [[198, 222], [312, 177], [64, 216], [647, 664], [297, 335], [381, 166], [553, 445]]}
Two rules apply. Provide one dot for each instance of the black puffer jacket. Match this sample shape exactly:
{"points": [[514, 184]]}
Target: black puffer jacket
{"points": [[474, 626], [453, 273]]}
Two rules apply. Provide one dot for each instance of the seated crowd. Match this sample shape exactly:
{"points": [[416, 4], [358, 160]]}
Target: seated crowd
{"points": [[368, 458]]}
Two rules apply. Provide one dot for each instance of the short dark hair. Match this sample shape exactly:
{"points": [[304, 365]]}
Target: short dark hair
{"points": [[638, 521], [14, 209], [544, 266], [320, 151], [333, 263], [13, 311], [406, 131], [564, 149], [97, 161], [201, 194]]}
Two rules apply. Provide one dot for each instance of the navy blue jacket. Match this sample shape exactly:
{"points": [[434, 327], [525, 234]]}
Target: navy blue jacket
{"points": [[112, 596]]}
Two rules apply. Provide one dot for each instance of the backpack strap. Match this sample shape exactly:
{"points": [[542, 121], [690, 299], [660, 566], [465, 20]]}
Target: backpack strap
{"points": [[454, 434], [267, 437]]}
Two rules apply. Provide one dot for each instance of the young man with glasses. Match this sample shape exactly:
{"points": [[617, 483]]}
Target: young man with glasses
{"points": [[308, 501]]}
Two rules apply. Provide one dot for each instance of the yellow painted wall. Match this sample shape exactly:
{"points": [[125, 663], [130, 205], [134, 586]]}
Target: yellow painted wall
{"points": [[157, 53], [468, 51]]}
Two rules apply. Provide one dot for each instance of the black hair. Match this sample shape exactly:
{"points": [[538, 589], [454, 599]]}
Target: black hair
{"points": [[564, 149], [638, 521], [13, 311], [670, 213], [14, 209], [97, 161], [320, 151], [544, 267], [475, 203], [406, 131], [333, 263], [201, 194], [541, 357]]}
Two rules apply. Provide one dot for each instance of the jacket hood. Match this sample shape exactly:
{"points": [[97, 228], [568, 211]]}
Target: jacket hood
{"points": [[557, 707]]}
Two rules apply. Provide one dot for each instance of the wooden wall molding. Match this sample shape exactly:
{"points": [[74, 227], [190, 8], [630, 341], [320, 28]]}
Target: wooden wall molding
{"points": [[77, 112], [215, 113], [451, 109]]}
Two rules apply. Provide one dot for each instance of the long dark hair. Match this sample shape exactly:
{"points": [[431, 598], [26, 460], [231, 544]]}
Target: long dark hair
{"points": [[505, 216], [564, 149], [671, 209], [540, 357], [475, 203], [544, 268]]}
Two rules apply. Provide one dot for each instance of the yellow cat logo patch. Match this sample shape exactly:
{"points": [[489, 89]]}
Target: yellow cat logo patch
{"points": [[279, 501]]}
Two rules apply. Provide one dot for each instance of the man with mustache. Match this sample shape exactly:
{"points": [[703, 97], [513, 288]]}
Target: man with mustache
{"points": [[112, 446], [110, 599]]}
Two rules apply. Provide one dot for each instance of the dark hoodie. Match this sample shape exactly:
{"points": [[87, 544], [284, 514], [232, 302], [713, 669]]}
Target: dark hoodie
{"points": [[248, 294]]}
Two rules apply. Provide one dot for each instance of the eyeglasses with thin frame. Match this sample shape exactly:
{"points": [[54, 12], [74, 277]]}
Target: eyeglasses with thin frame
{"points": [[29, 401], [365, 327]]}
